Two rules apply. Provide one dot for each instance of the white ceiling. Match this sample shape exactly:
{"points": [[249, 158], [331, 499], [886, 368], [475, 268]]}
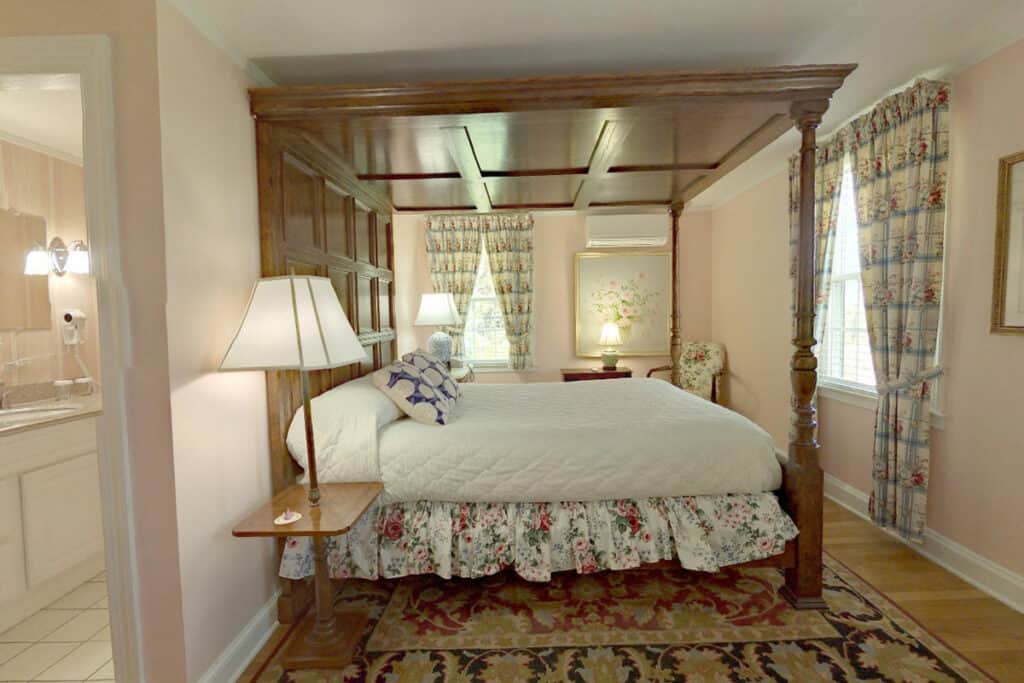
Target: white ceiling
{"points": [[44, 112], [894, 41]]}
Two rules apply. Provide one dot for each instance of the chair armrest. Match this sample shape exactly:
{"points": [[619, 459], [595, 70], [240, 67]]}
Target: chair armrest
{"points": [[658, 369]]}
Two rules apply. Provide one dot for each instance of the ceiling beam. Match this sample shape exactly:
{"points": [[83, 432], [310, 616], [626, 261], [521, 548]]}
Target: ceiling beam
{"points": [[541, 172], [461, 148], [608, 143]]}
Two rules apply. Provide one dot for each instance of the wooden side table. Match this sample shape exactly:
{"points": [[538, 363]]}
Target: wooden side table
{"points": [[583, 374], [325, 640]]}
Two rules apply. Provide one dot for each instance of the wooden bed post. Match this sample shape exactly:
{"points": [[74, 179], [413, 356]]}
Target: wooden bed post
{"points": [[804, 479], [677, 341]]}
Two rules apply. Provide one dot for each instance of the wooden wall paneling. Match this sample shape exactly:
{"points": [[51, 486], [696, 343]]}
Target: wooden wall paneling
{"points": [[337, 205], [303, 219], [363, 228]]}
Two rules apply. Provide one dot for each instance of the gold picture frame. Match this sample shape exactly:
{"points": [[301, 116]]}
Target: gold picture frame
{"points": [[654, 339], [1008, 273]]}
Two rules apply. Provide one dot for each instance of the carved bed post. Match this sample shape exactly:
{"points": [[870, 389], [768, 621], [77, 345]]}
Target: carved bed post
{"points": [[677, 341], [804, 480]]}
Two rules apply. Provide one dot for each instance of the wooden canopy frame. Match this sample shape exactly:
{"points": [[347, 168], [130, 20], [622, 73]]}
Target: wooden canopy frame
{"points": [[333, 160]]}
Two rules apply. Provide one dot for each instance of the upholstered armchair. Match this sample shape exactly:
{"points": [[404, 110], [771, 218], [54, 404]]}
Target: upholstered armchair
{"points": [[702, 365]]}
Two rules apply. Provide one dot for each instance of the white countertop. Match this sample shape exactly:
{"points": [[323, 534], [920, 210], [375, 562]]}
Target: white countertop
{"points": [[45, 413]]}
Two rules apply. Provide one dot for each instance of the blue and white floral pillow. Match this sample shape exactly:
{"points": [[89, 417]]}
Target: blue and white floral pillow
{"points": [[435, 372], [406, 385]]}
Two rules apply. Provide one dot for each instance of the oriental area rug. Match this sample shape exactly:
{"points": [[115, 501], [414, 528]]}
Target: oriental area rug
{"points": [[632, 627]]}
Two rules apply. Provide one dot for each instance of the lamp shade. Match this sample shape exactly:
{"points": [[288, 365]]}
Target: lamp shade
{"points": [[37, 261], [293, 322], [610, 335], [436, 310], [78, 258]]}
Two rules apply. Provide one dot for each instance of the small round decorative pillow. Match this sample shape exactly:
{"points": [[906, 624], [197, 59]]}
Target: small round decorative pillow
{"points": [[405, 384], [436, 372]]}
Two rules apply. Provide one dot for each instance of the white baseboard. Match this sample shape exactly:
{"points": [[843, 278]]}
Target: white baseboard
{"points": [[237, 655], [984, 574]]}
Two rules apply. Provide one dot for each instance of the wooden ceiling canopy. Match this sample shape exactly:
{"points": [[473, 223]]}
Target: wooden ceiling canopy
{"points": [[579, 142]]}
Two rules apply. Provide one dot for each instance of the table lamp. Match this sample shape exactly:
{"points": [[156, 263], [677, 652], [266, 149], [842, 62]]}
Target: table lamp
{"points": [[610, 338], [437, 310], [295, 322]]}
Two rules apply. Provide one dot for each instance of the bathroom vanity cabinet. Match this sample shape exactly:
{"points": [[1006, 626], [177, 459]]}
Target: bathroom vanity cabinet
{"points": [[51, 531]]}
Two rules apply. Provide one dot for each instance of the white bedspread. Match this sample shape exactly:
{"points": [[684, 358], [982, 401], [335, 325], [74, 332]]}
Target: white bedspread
{"points": [[579, 441]]}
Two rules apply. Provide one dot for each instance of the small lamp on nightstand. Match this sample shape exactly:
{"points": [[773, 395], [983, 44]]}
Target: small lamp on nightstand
{"points": [[437, 310], [610, 338], [295, 322]]}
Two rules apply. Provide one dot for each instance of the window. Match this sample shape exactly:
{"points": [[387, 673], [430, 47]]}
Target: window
{"points": [[484, 341], [845, 352]]}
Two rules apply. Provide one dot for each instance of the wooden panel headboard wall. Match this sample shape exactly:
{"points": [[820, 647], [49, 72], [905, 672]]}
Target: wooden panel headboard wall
{"points": [[315, 220]]}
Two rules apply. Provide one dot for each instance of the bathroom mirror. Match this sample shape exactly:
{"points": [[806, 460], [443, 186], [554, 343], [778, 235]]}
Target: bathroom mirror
{"points": [[25, 304], [1008, 287]]}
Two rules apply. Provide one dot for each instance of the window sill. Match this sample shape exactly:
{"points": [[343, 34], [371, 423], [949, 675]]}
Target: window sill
{"points": [[493, 368], [864, 398]]}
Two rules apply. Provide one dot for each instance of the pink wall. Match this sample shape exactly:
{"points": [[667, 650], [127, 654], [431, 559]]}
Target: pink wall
{"points": [[750, 300], [557, 238], [219, 420], [131, 25], [976, 460]]}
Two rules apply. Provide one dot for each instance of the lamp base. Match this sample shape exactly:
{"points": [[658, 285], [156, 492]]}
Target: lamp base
{"points": [[609, 359], [440, 346]]}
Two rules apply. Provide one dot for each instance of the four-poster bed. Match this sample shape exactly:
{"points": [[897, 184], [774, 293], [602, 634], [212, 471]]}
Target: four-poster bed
{"points": [[336, 161]]}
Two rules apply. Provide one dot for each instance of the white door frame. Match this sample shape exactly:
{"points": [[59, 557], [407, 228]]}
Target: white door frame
{"points": [[89, 57]]}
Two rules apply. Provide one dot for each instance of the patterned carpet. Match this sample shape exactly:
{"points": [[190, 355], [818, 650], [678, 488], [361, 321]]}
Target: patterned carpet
{"points": [[637, 626]]}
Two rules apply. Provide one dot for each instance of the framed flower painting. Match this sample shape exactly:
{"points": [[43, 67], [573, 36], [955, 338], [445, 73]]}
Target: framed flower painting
{"points": [[629, 288]]}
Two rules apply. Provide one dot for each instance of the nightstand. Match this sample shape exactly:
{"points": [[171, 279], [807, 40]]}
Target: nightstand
{"points": [[328, 640], [583, 374]]}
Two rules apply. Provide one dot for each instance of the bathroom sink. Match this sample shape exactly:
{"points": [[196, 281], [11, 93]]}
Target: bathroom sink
{"points": [[35, 412]]}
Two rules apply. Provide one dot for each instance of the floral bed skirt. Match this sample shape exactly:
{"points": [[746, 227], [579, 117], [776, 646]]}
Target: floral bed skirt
{"points": [[479, 539]]}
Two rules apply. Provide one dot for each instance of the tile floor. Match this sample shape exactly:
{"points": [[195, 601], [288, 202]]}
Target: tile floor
{"points": [[68, 641]]}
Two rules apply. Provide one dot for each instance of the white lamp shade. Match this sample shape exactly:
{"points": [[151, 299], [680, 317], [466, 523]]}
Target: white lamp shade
{"points": [[436, 310], [37, 261], [293, 323], [78, 259], [610, 335]]}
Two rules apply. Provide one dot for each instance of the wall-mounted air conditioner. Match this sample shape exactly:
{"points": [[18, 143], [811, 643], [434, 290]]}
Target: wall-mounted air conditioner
{"points": [[627, 230]]}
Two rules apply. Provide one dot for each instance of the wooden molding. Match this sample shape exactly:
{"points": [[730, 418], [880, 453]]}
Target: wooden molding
{"points": [[815, 82], [608, 143], [461, 148]]}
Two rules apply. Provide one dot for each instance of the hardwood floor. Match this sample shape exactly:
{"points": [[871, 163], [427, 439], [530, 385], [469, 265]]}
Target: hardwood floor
{"points": [[979, 627]]}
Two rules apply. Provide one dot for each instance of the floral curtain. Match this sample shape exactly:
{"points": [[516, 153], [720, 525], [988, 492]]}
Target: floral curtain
{"points": [[510, 250], [453, 249], [900, 153]]}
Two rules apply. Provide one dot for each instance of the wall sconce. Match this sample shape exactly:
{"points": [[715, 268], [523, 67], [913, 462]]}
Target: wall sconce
{"points": [[58, 258]]}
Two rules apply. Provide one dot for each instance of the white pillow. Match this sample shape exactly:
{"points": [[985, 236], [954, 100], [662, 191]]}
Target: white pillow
{"points": [[405, 384], [346, 421]]}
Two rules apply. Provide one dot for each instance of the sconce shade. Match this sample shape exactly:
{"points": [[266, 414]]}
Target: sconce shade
{"points": [[436, 310], [78, 258], [37, 261], [610, 335], [293, 322]]}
